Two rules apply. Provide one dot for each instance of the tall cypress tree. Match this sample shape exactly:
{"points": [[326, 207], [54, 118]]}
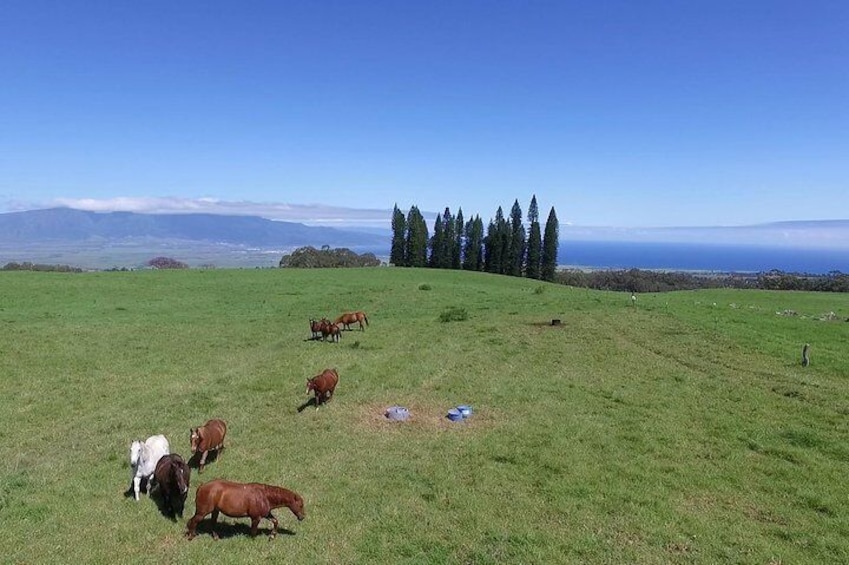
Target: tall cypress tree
{"points": [[477, 230], [457, 246], [490, 245], [549, 246], [502, 234], [399, 228], [516, 246], [417, 238], [496, 244], [473, 258], [437, 244], [448, 238], [533, 257]]}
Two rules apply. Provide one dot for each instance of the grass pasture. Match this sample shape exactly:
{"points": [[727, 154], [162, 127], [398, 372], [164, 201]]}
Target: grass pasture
{"points": [[678, 429]]}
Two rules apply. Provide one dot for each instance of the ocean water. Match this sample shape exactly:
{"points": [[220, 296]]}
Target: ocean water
{"points": [[700, 257]]}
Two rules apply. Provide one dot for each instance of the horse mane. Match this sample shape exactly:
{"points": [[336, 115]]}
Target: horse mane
{"points": [[275, 494]]}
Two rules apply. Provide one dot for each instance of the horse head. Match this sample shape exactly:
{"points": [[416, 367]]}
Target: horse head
{"points": [[297, 506], [194, 438], [135, 453], [310, 385], [181, 479]]}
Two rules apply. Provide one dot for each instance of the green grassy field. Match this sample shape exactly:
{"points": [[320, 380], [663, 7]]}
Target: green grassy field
{"points": [[680, 429]]}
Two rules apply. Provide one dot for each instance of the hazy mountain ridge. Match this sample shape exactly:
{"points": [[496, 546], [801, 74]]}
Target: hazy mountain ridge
{"points": [[68, 226], [803, 233]]}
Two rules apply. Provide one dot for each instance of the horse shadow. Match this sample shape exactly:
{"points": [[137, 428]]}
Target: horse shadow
{"points": [[232, 529], [310, 402], [158, 499], [144, 488], [194, 460]]}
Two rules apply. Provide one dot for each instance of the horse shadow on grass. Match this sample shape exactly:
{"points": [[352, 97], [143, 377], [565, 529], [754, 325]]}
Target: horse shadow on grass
{"points": [[211, 457], [144, 488], [157, 498], [307, 404], [232, 529]]}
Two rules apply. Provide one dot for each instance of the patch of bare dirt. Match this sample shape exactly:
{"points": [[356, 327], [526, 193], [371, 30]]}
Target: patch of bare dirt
{"points": [[424, 417]]}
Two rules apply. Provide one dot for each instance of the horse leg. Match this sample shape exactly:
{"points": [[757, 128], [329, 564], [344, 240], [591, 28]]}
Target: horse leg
{"points": [[192, 525], [274, 524], [214, 520], [136, 486], [255, 525], [202, 461]]}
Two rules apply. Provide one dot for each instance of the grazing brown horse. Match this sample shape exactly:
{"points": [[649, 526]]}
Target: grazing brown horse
{"points": [[349, 318], [329, 329], [323, 385], [172, 476], [209, 437], [242, 500], [315, 327]]}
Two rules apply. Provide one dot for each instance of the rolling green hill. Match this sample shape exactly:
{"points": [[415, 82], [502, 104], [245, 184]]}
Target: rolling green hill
{"points": [[680, 428]]}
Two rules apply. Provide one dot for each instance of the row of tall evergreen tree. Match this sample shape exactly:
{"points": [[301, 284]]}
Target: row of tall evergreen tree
{"points": [[505, 248]]}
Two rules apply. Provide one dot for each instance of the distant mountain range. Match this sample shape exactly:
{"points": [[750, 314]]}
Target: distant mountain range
{"points": [[822, 234], [103, 240]]}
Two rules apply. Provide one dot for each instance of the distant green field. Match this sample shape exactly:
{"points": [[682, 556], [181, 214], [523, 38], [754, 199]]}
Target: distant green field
{"points": [[681, 428]]}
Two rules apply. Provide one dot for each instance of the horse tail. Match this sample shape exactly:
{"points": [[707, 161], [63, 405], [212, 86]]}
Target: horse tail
{"points": [[365, 318]]}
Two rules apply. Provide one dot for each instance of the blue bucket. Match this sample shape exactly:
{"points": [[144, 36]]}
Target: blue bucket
{"points": [[465, 410], [455, 415]]}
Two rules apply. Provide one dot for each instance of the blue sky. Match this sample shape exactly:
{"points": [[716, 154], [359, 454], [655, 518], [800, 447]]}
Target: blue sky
{"points": [[628, 114]]}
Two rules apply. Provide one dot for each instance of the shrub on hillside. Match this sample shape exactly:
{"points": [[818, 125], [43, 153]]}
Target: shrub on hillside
{"points": [[166, 263], [454, 314], [312, 258]]}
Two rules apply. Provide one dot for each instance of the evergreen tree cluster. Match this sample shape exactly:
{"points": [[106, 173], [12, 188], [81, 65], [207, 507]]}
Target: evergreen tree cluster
{"points": [[506, 247]]}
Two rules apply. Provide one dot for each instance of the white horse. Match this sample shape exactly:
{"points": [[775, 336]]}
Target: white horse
{"points": [[144, 457]]}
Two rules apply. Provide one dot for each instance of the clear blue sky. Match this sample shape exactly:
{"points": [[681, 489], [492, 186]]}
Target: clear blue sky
{"points": [[649, 113]]}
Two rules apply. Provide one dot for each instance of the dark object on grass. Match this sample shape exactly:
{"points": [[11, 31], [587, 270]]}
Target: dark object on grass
{"points": [[555, 322], [242, 500], [806, 360]]}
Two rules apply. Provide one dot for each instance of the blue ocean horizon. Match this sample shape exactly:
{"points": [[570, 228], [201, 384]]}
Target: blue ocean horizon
{"points": [[700, 257]]}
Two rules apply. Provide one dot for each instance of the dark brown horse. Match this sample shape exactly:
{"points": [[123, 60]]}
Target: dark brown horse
{"points": [[349, 318], [172, 476], [323, 385], [209, 437], [329, 329], [242, 500]]}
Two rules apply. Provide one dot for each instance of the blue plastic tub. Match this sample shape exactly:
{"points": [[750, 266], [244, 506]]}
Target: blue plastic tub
{"points": [[455, 415], [465, 410]]}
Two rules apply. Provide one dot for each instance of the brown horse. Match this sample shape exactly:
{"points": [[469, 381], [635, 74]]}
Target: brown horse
{"points": [[242, 500], [209, 437], [323, 385], [349, 318], [172, 477], [315, 328], [332, 330]]}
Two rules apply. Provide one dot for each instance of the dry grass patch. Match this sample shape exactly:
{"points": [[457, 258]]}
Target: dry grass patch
{"points": [[424, 417]]}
